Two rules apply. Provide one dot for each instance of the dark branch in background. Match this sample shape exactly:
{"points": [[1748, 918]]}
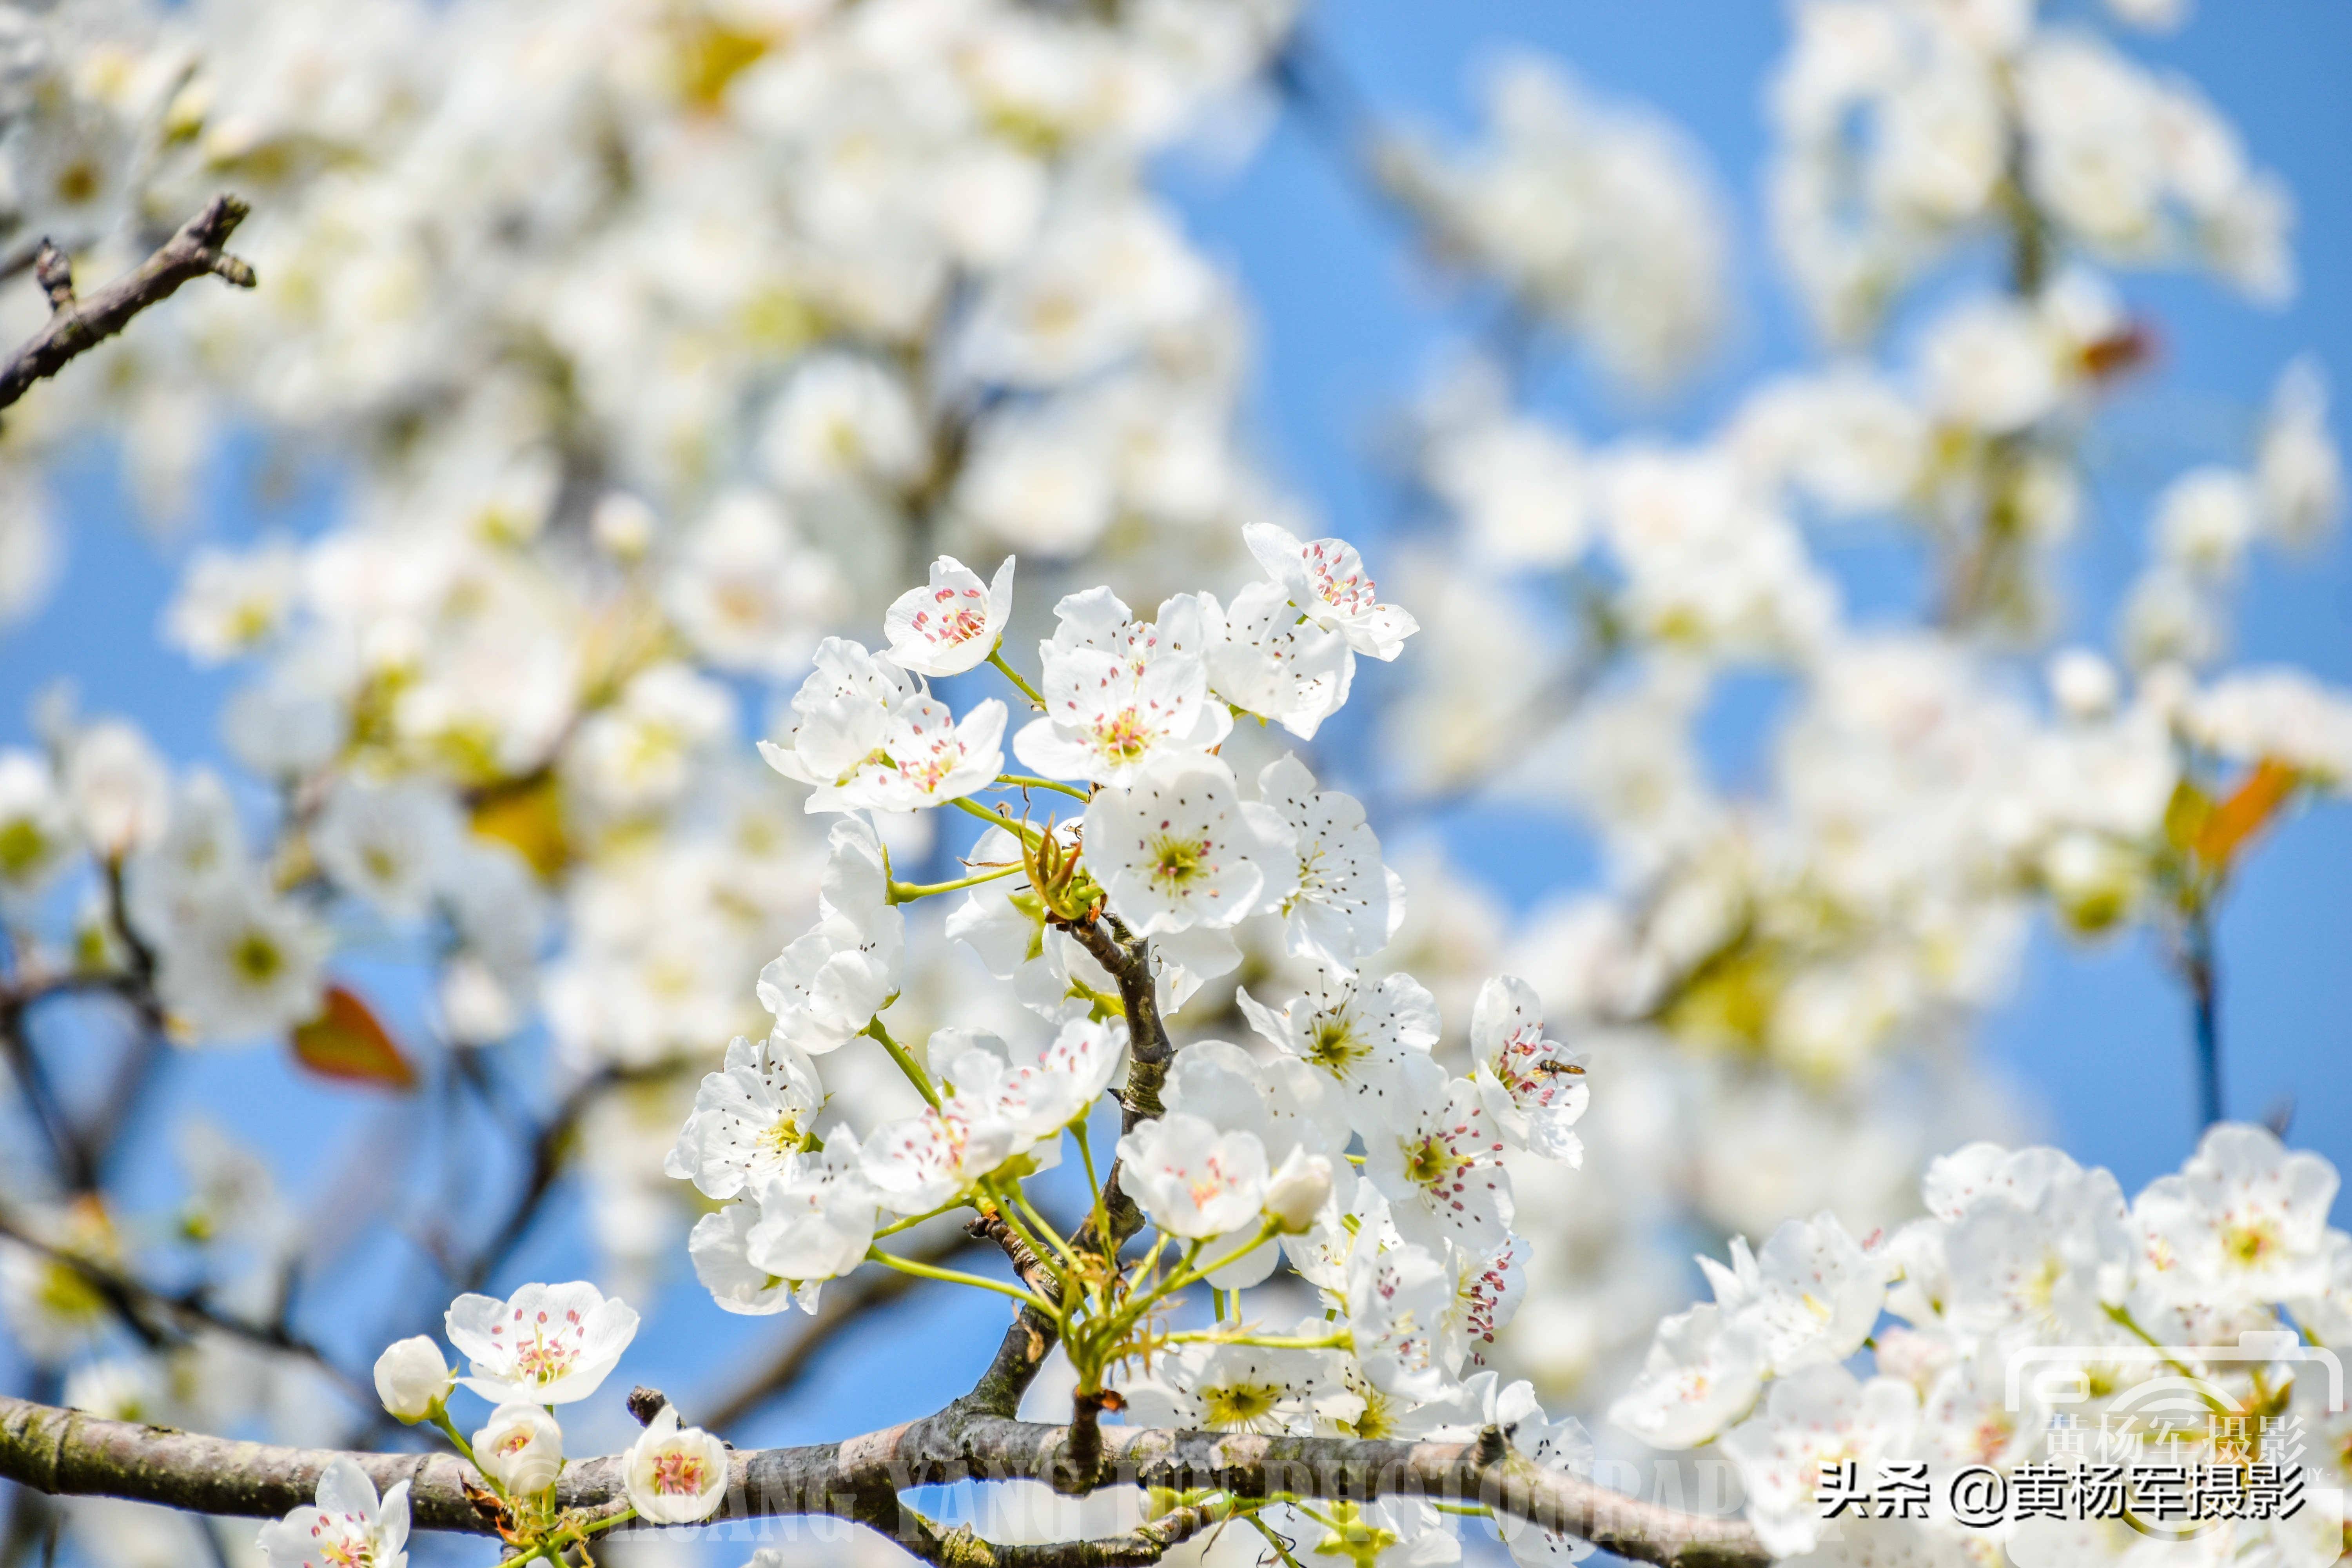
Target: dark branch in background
{"points": [[845, 1305], [61, 1452], [76, 325], [549, 1151], [2194, 958], [159, 1318]]}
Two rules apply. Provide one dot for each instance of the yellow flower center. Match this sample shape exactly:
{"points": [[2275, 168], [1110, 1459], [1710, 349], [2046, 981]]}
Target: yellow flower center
{"points": [[1176, 863], [256, 958]]}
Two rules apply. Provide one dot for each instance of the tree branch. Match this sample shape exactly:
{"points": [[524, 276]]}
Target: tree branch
{"points": [[1148, 1051], [63, 1452], [76, 326]]}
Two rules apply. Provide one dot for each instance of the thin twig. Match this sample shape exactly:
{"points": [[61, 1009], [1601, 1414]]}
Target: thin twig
{"points": [[157, 1316], [2199, 972], [76, 325]]}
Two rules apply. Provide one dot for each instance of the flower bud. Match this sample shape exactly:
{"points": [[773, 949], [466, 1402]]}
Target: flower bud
{"points": [[521, 1448], [411, 1378], [1295, 1193]]}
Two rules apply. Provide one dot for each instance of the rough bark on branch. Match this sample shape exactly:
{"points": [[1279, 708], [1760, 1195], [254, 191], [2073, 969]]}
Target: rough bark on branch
{"points": [[76, 325], [67, 1452]]}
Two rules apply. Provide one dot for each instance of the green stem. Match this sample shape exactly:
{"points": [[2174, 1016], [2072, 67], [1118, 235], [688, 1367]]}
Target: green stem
{"points": [[440, 1417], [997, 657], [911, 1221], [2123, 1315], [956, 1277], [1027, 780], [1263, 1342], [1188, 1275], [907, 1063], [622, 1516], [1102, 1211], [907, 892], [1466, 1509], [1043, 1226], [996, 819]]}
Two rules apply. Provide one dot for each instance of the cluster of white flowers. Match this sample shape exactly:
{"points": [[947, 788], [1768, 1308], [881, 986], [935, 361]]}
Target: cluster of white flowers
{"points": [[655, 346], [543, 1346], [1597, 217], [648, 345], [2031, 1302], [1340, 1142], [1907, 125], [1787, 959]]}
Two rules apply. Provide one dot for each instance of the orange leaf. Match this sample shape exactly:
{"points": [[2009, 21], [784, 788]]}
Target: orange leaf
{"points": [[2240, 816], [344, 1041]]}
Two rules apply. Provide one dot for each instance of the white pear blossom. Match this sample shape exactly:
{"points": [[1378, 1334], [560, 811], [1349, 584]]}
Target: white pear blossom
{"points": [[1703, 1372], [1560, 1446], [933, 757], [810, 1221], [641, 752], [919, 1163], [1276, 1101], [520, 1447], [1533, 1086], [827, 986], [674, 1474], [754, 1117], [1438, 1159], [1119, 693], [747, 587], [2298, 467], [238, 963], [1326, 583], [349, 1527], [1271, 661], [1179, 848], [546, 1344], [1056, 1081], [116, 785], [841, 723], [394, 844], [952, 623], [843, 419], [1813, 1296], [36, 830], [1822, 1416], [2245, 1221], [1347, 904], [1192, 1180], [1298, 1189], [231, 602], [1232, 1388], [2033, 1239], [1397, 1302], [1360, 1038]]}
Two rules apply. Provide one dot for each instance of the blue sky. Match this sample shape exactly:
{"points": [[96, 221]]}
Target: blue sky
{"points": [[1348, 327]]}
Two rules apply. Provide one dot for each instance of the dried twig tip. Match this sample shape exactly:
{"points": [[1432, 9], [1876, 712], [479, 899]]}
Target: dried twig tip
{"points": [[644, 1404], [54, 269]]}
